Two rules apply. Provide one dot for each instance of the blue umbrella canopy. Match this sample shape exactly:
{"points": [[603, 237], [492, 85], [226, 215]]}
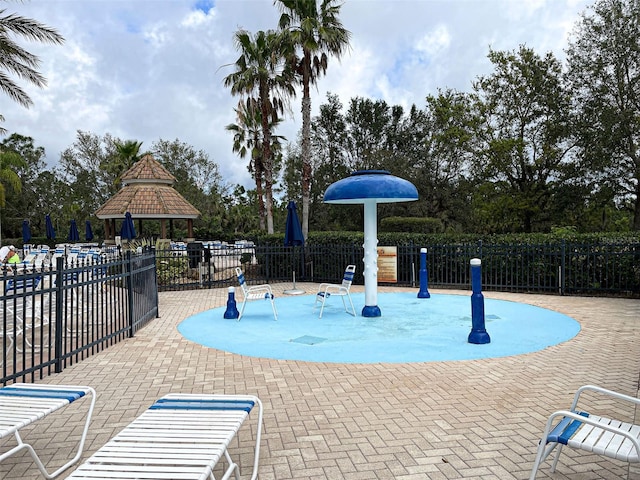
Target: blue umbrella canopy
{"points": [[74, 236], [293, 230], [26, 231], [128, 230], [51, 233], [88, 231]]}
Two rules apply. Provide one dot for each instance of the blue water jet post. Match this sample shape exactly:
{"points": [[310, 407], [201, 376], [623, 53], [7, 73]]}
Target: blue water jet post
{"points": [[231, 311], [424, 282], [478, 333]]}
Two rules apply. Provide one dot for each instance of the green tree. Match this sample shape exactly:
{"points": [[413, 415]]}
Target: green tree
{"points": [[198, 180], [127, 153], [603, 61], [84, 169], [247, 139], [31, 200], [16, 61], [9, 179], [440, 150], [262, 73], [523, 130], [315, 30]]}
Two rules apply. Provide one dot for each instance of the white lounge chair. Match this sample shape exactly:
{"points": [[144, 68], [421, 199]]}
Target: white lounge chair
{"points": [[72, 256], [9, 336], [592, 433], [27, 263], [22, 404], [342, 290], [255, 292], [42, 258], [180, 436], [26, 303], [59, 252]]}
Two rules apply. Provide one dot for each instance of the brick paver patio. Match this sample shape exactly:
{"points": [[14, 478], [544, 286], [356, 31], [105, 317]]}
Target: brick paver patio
{"points": [[477, 419]]}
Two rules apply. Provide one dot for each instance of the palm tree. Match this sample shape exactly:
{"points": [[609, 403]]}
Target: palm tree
{"points": [[247, 139], [9, 162], [127, 153], [314, 29], [262, 73], [14, 60]]}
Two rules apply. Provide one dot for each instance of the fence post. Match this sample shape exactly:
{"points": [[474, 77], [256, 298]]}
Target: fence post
{"points": [[129, 279], [563, 265], [155, 281], [59, 284]]}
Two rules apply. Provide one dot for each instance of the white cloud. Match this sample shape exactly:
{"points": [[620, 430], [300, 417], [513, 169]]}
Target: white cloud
{"points": [[154, 69], [434, 43]]}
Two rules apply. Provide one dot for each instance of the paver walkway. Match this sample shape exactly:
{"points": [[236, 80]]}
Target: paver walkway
{"points": [[477, 419]]}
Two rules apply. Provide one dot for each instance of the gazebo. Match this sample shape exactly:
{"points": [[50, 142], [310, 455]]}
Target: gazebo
{"points": [[147, 193]]}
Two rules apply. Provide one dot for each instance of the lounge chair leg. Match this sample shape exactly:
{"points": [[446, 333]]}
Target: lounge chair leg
{"points": [[244, 303]]}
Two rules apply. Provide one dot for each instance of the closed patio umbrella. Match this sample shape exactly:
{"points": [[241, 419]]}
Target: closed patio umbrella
{"points": [[88, 231], [293, 231], [51, 233], [128, 230], [293, 236], [74, 236], [26, 231]]}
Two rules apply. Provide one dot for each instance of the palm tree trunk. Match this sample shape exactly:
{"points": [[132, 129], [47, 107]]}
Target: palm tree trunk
{"points": [[259, 177], [306, 147], [266, 157]]}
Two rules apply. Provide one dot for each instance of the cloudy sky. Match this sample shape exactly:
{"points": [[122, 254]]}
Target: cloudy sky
{"points": [[153, 69]]}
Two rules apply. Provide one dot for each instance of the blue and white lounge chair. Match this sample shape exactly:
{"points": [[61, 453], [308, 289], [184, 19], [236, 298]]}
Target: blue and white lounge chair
{"points": [[592, 433], [26, 304], [326, 290], [23, 404], [180, 436], [255, 292]]}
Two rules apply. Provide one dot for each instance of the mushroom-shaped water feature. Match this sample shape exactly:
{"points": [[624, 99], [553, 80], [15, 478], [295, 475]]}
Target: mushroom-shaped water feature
{"points": [[370, 187]]}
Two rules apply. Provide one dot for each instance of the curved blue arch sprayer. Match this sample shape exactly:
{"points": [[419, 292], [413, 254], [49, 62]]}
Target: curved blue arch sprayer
{"points": [[409, 330]]}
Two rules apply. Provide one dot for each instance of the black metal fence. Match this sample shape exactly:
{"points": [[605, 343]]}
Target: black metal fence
{"points": [[53, 318], [561, 268]]}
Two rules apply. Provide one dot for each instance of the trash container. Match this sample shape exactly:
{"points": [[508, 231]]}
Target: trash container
{"points": [[194, 253]]}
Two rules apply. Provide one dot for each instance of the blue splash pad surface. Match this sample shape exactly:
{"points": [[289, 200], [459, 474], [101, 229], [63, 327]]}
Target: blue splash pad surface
{"points": [[410, 329]]}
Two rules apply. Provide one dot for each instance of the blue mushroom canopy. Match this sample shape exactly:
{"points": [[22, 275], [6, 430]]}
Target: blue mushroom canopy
{"points": [[378, 185]]}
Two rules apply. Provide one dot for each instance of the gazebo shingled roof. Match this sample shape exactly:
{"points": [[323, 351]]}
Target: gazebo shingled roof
{"points": [[147, 169], [147, 193], [147, 201]]}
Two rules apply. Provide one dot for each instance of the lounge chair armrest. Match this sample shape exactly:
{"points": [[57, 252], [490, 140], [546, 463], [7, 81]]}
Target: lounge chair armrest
{"points": [[260, 288], [604, 391], [332, 288], [589, 421]]}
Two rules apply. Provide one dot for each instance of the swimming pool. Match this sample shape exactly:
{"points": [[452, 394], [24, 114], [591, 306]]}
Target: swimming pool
{"points": [[409, 330]]}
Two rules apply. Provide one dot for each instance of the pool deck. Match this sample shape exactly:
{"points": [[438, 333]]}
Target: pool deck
{"points": [[472, 419]]}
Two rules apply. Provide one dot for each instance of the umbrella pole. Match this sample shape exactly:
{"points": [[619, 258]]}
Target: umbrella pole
{"points": [[294, 290]]}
